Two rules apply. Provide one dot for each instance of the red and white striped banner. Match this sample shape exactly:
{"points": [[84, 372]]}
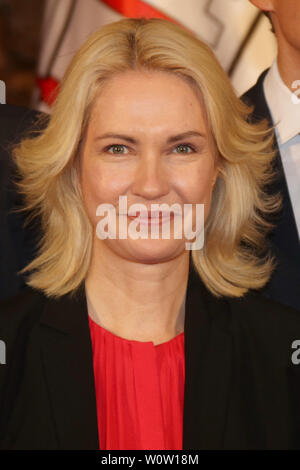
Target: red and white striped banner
{"points": [[226, 25]]}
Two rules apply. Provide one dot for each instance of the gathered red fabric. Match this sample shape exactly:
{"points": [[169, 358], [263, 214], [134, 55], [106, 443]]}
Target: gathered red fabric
{"points": [[139, 391]]}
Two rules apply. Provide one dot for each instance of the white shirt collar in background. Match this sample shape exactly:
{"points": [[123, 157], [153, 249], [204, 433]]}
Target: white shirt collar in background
{"points": [[282, 103]]}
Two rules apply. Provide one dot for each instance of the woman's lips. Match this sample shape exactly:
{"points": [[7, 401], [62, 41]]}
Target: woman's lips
{"points": [[153, 219]]}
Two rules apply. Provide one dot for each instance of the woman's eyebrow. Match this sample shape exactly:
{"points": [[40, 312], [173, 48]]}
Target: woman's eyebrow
{"points": [[170, 140]]}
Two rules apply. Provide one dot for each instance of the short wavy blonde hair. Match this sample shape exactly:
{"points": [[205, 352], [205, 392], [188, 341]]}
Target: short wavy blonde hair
{"points": [[233, 259]]}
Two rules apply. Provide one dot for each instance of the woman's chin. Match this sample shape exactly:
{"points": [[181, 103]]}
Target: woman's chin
{"points": [[148, 251]]}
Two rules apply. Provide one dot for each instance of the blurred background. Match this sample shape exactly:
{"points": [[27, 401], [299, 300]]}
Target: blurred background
{"points": [[39, 37], [20, 31]]}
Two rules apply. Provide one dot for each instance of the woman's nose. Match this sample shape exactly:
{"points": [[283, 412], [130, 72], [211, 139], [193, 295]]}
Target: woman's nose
{"points": [[150, 179]]}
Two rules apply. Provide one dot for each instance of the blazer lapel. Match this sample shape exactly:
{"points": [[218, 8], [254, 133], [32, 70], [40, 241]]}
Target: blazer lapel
{"points": [[208, 366], [68, 362]]}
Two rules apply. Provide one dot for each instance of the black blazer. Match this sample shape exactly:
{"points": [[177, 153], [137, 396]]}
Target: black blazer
{"points": [[241, 389], [17, 243], [284, 285]]}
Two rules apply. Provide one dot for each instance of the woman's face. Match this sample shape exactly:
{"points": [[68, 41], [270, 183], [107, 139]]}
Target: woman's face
{"points": [[146, 159]]}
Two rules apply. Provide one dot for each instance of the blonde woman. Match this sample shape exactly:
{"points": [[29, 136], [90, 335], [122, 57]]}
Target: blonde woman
{"points": [[148, 343]]}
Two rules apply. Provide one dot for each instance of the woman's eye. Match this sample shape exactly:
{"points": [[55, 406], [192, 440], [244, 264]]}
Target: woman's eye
{"points": [[118, 148], [182, 148]]}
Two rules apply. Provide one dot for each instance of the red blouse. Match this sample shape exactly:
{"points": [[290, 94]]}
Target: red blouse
{"points": [[139, 391]]}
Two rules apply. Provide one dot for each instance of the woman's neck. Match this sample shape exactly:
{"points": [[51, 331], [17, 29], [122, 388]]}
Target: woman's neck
{"points": [[143, 302]]}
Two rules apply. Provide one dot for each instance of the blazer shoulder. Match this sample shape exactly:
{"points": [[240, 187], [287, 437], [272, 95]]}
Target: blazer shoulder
{"points": [[255, 307], [22, 309], [266, 324]]}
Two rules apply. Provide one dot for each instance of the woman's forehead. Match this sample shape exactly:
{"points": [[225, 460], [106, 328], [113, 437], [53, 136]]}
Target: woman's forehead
{"points": [[147, 84], [148, 100]]}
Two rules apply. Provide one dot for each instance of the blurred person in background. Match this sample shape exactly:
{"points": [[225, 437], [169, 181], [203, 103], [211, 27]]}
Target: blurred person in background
{"points": [[276, 97], [19, 44], [17, 240]]}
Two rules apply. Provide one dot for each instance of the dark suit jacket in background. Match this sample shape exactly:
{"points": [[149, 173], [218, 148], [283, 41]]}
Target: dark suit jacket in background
{"points": [[17, 243], [284, 285], [241, 387]]}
